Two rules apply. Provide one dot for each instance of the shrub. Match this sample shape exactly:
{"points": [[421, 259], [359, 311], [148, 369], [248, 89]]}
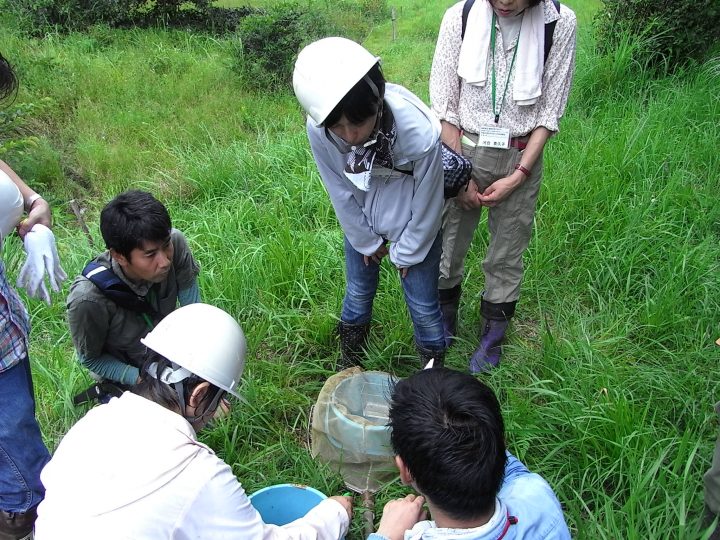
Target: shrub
{"points": [[673, 33], [15, 138], [376, 10], [42, 16], [270, 41]]}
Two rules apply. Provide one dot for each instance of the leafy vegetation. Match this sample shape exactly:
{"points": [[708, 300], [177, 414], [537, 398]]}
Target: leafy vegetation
{"points": [[42, 16], [270, 41], [611, 372], [671, 34]]}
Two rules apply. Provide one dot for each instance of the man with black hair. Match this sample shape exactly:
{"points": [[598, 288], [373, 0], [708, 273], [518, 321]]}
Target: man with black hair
{"points": [[448, 436], [124, 292]]}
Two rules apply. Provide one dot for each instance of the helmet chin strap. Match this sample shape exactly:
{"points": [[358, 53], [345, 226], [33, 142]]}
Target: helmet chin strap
{"points": [[378, 116], [176, 376], [209, 410]]}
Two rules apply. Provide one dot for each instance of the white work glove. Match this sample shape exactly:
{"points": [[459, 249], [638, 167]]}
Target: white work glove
{"points": [[42, 257]]}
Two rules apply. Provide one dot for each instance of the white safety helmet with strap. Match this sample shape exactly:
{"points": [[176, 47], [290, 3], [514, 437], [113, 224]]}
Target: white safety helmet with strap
{"points": [[202, 340], [325, 71], [11, 205]]}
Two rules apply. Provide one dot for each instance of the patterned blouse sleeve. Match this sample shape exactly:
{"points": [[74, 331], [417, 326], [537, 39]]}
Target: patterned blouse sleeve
{"points": [[444, 80], [558, 75]]}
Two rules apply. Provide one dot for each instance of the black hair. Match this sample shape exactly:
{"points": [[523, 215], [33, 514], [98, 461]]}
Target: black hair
{"points": [[133, 218], [166, 395], [448, 429], [360, 103], [8, 80]]}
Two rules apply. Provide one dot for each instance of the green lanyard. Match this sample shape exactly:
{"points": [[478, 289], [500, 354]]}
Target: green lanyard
{"points": [[493, 32]]}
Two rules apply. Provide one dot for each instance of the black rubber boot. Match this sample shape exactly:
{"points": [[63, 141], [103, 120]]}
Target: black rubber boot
{"points": [[17, 525], [353, 338], [449, 304], [494, 325], [438, 355], [708, 519]]}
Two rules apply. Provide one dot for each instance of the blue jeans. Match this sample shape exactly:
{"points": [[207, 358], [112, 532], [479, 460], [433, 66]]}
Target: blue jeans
{"points": [[420, 287], [22, 452]]}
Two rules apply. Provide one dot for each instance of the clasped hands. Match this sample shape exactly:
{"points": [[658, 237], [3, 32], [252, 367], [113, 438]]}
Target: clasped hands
{"points": [[377, 257], [493, 195]]}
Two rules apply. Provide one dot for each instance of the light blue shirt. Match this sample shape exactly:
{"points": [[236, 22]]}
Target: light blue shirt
{"points": [[523, 495]]}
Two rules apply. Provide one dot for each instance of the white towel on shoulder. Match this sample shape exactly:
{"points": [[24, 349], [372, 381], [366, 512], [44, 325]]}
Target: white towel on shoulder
{"points": [[529, 62]]}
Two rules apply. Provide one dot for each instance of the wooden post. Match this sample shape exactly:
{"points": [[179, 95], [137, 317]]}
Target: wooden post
{"points": [[75, 207], [393, 17], [368, 512]]}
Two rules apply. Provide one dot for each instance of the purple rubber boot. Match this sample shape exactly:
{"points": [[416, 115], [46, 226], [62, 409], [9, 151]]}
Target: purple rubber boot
{"points": [[449, 304], [494, 325], [487, 355]]}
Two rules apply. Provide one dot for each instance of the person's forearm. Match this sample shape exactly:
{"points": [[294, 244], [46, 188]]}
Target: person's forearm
{"points": [[190, 295], [535, 146], [426, 206], [450, 135], [110, 367], [29, 195]]}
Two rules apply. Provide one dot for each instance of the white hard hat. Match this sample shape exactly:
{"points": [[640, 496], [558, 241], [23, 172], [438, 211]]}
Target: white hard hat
{"points": [[325, 71], [204, 340], [11, 205]]}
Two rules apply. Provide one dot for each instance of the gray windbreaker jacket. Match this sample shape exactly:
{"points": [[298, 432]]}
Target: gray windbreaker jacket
{"points": [[402, 208]]}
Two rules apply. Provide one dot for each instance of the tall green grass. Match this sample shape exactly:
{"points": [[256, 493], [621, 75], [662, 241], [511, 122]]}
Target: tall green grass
{"points": [[610, 373]]}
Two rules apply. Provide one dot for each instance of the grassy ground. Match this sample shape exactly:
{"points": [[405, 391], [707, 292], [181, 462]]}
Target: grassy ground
{"points": [[610, 374]]}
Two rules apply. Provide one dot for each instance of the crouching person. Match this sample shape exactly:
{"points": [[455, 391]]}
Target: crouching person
{"points": [[133, 468], [147, 270], [448, 436]]}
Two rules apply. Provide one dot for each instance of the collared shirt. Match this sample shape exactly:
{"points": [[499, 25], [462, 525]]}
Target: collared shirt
{"points": [[14, 325], [99, 326], [133, 469], [523, 495], [470, 107]]}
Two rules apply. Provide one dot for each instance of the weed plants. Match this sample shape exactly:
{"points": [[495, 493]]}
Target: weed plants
{"points": [[610, 374]]}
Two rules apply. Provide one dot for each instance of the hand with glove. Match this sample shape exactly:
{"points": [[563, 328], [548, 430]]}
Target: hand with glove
{"points": [[42, 257]]}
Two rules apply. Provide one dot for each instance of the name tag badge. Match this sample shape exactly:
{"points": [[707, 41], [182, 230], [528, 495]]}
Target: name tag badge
{"points": [[494, 137]]}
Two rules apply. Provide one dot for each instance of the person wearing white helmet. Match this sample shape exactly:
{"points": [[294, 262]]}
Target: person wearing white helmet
{"points": [[22, 451], [133, 468], [377, 148]]}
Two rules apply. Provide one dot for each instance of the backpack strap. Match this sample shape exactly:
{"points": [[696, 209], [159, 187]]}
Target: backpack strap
{"points": [[549, 27], [116, 289], [465, 12], [550, 31]]}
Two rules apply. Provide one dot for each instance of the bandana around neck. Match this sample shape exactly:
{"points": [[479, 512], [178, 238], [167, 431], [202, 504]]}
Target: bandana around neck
{"points": [[361, 159]]}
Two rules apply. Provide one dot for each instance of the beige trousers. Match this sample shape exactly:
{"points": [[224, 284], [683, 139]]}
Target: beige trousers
{"points": [[510, 224]]}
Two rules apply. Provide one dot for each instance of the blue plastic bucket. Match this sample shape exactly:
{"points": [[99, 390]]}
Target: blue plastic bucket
{"points": [[283, 503]]}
